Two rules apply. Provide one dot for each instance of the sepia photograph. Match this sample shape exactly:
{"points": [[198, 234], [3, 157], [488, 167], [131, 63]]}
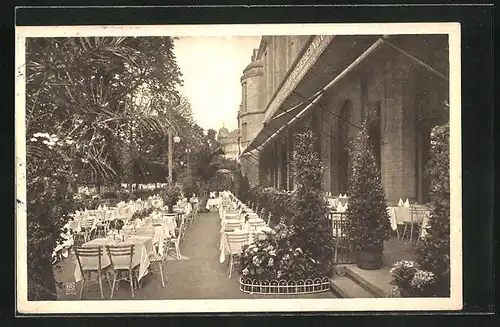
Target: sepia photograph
{"points": [[175, 169]]}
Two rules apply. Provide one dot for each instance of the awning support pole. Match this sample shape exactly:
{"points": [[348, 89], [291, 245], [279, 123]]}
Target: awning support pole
{"points": [[320, 93]]}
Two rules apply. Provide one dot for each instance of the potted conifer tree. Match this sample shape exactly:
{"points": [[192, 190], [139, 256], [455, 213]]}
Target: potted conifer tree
{"points": [[367, 220], [171, 194]]}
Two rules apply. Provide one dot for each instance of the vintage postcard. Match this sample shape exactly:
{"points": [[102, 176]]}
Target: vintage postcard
{"points": [[238, 168]]}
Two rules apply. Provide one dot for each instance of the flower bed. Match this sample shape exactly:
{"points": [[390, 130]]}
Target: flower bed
{"points": [[296, 257], [290, 287], [411, 281]]}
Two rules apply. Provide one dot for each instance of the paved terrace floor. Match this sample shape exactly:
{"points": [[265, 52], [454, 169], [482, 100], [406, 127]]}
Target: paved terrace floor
{"points": [[198, 275]]}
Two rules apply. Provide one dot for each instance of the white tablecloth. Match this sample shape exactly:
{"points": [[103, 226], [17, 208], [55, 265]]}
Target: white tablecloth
{"points": [[246, 228], [143, 248], [213, 203], [401, 215]]}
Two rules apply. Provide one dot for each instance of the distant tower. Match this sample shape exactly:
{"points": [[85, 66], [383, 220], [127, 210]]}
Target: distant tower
{"points": [[251, 113]]}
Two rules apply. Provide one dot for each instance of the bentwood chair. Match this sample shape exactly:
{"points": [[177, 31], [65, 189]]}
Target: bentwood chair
{"points": [[417, 214], [91, 260], [101, 227], [174, 241], [124, 268], [423, 225], [231, 225], [182, 228], [156, 257], [235, 242], [86, 229]]}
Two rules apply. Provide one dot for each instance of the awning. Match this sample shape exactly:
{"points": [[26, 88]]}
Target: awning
{"points": [[276, 125], [284, 119], [279, 122]]}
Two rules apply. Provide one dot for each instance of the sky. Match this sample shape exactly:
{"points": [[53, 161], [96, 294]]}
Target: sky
{"points": [[211, 68]]}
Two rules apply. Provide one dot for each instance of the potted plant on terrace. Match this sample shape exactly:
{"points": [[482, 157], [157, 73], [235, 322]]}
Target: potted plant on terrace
{"points": [[303, 250], [171, 195], [367, 220]]}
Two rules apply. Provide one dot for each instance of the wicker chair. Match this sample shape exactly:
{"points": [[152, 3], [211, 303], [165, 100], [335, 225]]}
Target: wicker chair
{"points": [[235, 242], [160, 259]]}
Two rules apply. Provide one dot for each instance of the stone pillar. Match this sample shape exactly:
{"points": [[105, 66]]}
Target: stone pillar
{"points": [[397, 133], [326, 153]]}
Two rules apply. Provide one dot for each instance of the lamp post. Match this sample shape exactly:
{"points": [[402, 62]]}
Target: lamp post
{"points": [[188, 151], [171, 140]]}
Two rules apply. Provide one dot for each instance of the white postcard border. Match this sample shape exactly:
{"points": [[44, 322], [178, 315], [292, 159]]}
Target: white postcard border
{"points": [[261, 305]]}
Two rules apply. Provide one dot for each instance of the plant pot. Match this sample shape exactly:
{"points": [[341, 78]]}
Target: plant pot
{"points": [[170, 208], [369, 260]]}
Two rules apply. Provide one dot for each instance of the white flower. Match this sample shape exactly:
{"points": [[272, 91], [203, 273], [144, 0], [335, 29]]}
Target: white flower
{"points": [[33, 139], [46, 135], [245, 271], [270, 262], [421, 278]]}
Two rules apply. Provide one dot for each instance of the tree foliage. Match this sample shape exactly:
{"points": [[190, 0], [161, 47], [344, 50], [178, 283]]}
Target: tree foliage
{"points": [[82, 117], [304, 248], [367, 220], [433, 254], [309, 222]]}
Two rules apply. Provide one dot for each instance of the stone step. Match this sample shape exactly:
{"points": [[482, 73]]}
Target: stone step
{"points": [[375, 281], [345, 287]]}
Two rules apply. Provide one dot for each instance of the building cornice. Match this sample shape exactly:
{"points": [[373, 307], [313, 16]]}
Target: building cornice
{"points": [[250, 74], [305, 61]]}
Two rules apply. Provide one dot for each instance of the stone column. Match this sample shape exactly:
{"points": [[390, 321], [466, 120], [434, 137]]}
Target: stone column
{"points": [[397, 133], [326, 153]]}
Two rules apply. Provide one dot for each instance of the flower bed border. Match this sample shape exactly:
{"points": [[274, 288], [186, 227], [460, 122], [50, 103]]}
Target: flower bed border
{"points": [[284, 287]]}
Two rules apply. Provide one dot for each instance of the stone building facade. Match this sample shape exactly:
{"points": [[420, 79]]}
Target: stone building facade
{"points": [[229, 142], [333, 82]]}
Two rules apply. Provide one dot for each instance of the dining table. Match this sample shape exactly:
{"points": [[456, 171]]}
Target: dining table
{"points": [[212, 202], [143, 248], [400, 215], [255, 231]]}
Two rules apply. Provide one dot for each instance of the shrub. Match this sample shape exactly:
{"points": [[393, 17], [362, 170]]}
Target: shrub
{"points": [[108, 195], [309, 220], [277, 202], [304, 249], [243, 188], [409, 278], [367, 220], [433, 254], [275, 258], [171, 194]]}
